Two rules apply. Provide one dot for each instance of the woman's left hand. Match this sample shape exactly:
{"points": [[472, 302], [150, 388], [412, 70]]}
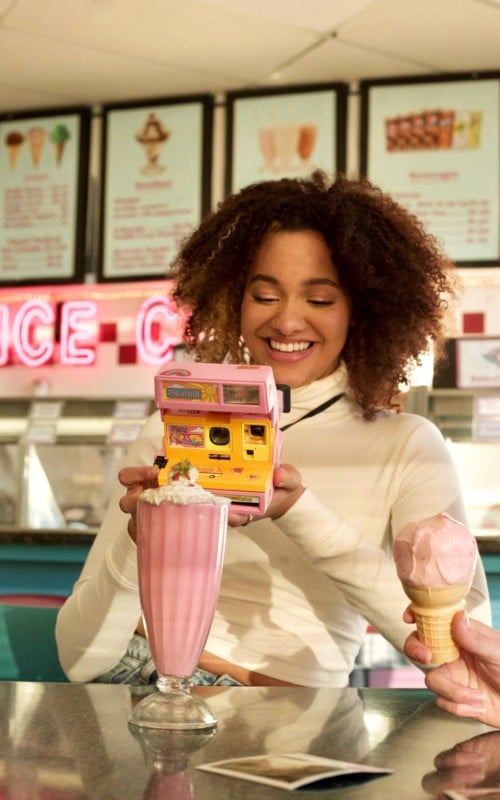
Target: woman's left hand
{"points": [[287, 490]]}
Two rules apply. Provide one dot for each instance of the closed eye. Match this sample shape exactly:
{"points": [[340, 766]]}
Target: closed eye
{"points": [[260, 299]]}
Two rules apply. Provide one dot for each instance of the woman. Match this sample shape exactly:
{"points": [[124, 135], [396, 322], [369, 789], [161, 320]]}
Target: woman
{"points": [[339, 290]]}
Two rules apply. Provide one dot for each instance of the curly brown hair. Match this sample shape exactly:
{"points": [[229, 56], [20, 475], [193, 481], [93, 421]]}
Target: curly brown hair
{"points": [[398, 279]]}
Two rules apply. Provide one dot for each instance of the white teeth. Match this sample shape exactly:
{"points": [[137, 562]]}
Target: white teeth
{"points": [[289, 347]]}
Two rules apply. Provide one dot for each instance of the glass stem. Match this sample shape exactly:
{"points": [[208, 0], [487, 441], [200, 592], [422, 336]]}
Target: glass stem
{"points": [[172, 683]]}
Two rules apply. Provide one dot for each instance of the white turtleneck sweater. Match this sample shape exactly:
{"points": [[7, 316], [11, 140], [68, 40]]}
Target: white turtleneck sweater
{"points": [[297, 593]]}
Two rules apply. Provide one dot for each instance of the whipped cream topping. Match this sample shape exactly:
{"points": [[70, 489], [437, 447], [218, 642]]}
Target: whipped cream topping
{"points": [[182, 489]]}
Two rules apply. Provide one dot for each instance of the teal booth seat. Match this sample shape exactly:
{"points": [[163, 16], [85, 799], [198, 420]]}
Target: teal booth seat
{"points": [[27, 643]]}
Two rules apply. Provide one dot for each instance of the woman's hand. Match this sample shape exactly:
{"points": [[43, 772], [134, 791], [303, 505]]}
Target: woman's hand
{"points": [[474, 763], [135, 480], [287, 490], [470, 685]]}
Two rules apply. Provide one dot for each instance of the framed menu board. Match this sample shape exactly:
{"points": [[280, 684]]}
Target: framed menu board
{"points": [[43, 196], [156, 166], [286, 132], [434, 144]]}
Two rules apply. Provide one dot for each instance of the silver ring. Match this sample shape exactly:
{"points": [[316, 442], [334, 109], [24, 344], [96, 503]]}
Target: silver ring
{"points": [[249, 519]]}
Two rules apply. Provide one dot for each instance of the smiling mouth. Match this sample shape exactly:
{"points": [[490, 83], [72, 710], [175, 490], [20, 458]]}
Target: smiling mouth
{"points": [[289, 347]]}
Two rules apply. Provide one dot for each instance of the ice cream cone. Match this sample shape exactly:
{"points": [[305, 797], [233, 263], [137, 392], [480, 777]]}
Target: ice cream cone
{"points": [[13, 142], [36, 138], [13, 151], [59, 150], [59, 136], [434, 609], [36, 152]]}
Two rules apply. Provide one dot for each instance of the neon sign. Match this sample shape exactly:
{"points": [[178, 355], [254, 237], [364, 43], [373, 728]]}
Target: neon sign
{"points": [[31, 315], [155, 312], [43, 332], [77, 333]]}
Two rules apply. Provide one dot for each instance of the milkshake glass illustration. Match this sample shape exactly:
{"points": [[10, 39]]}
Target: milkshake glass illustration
{"points": [[267, 147], [286, 142], [180, 551], [307, 141], [153, 137]]}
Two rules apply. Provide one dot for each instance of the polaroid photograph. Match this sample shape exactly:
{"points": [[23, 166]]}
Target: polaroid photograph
{"points": [[294, 770]]}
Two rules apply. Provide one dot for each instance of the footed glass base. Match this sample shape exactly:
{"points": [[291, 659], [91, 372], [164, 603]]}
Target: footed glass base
{"points": [[173, 707]]}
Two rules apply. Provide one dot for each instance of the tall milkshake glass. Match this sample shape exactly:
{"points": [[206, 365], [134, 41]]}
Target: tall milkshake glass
{"points": [[181, 536]]}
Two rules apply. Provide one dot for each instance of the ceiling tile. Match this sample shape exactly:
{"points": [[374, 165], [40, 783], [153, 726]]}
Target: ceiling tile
{"points": [[185, 35], [464, 34], [295, 13], [337, 61], [95, 51]]}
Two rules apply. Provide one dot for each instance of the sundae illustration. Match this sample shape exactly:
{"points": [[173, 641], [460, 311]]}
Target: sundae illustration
{"points": [[153, 137], [13, 142], [59, 136]]}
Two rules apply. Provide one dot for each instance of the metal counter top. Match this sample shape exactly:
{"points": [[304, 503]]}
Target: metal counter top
{"points": [[73, 741]]}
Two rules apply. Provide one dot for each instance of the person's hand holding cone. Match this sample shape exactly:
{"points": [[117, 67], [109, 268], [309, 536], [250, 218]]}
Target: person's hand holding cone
{"points": [[435, 561]]}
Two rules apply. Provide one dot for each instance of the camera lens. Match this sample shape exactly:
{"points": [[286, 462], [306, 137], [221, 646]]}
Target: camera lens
{"points": [[219, 436], [257, 430]]}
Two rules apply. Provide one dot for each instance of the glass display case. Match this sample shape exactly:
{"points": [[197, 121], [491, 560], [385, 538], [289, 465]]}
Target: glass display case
{"points": [[470, 423], [59, 460]]}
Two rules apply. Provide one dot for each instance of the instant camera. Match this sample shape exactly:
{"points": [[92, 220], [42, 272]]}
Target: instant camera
{"points": [[225, 419]]}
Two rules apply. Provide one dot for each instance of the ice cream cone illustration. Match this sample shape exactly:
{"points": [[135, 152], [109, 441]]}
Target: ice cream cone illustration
{"points": [[14, 142], [153, 137], [435, 560], [36, 139], [434, 609], [59, 136]]}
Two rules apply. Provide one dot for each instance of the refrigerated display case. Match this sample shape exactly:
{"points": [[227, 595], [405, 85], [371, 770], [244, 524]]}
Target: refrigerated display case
{"points": [[470, 422], [59, 459]]}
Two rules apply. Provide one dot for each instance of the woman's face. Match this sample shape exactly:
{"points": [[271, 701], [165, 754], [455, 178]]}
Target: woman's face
{"points": [[294, 314]]}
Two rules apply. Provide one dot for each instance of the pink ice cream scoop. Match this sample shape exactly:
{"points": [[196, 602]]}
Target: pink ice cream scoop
{"points": [[438, 551], [435, 560]]}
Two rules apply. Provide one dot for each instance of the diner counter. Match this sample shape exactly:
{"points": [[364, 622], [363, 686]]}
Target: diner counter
{"points": [[11, 534], [72, 741], [488, 543]]}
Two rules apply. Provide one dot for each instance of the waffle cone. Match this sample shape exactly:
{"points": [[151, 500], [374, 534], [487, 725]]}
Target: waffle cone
{"points": [[13, 151], [36, 152], [434, 609], [59, 151]]}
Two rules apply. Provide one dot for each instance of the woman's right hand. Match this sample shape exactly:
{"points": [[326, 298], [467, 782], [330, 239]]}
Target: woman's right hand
{"points": [[135, 480]]}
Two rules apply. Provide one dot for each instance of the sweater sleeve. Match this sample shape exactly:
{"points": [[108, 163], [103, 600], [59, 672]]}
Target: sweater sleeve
{"points": [[365, 573], [97, 621]]}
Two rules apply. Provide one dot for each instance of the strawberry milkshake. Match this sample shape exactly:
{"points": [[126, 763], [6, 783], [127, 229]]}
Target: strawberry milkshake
{"points": [[180, 553]]}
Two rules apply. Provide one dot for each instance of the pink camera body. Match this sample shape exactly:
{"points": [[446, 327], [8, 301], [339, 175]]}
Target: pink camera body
{"points": [[224, 418]]}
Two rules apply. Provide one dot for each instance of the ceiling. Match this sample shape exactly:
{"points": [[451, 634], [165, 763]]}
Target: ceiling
{"points": [[69, 52]]}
